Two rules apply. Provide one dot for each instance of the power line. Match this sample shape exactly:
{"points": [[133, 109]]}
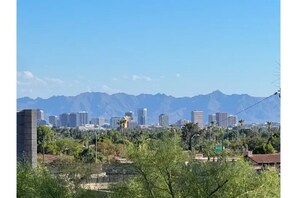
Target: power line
{"points": [[278, 92], [257, 103]]}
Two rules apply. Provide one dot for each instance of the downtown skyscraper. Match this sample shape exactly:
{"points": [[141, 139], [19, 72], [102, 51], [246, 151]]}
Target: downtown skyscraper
{"points": [[197, 117], [212, 119], [232, 121], [142, 116], [221, 119], [163, 120], [82, 118], [64, 119], [53, 120]]}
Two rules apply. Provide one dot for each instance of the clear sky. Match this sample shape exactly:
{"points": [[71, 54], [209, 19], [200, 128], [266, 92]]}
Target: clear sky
{"points": [[175, 47]]}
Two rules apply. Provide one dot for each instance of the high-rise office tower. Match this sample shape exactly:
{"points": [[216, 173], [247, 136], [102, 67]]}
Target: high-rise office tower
{"points": [[221, 119], [163, 120], [72, 120], [101, 121], [212, 118], [39, 114], [197, 117], [82, 118], [130, 114], [114, 122], [64, 119], [27, 136], [142, 116], [53, 120], [232, 121]]}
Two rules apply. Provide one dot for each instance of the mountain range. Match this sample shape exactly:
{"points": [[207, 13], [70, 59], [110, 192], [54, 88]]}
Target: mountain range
{"points": [[246, 107]]}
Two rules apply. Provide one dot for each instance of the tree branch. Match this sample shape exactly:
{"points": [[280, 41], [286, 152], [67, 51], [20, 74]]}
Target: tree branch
{"points": [[220, 186]]}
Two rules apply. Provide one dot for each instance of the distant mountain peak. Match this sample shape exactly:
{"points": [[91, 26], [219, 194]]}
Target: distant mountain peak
{"points": [[217, 92]]}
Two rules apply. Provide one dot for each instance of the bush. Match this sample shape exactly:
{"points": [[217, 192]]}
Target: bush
{"points": [[38, 182]]}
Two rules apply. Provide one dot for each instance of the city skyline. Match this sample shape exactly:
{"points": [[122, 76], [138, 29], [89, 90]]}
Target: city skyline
{"points": [[223, 119], [149, 47]]}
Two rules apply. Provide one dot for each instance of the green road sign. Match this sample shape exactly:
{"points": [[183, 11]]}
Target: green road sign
{"points": [[219, 148]]}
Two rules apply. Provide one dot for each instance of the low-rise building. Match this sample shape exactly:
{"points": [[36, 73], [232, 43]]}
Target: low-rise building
{"points": [[263, 160]]}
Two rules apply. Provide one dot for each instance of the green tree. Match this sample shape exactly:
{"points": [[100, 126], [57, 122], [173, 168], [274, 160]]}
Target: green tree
{"points": [[40, 183], [241, 122], [158, 164], [86, 140], [269, 126], [122, 123], [189, 130], [228, 179], [164, 170], [87, 155], [69, 146], [45, 141]]}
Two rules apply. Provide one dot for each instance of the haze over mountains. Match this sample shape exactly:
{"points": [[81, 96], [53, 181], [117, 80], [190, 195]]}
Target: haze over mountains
{"points": [[105, 105]]}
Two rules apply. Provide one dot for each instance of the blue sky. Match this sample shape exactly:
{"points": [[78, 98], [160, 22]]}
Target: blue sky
{"points": [[180, 48]]}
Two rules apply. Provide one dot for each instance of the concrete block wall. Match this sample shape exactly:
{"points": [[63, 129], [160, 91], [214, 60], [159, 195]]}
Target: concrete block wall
{"points": [[27, 136]]}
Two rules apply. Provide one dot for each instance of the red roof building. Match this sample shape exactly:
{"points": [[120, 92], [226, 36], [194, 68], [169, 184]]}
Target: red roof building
{"points": [[265, 158], [259, 160]]}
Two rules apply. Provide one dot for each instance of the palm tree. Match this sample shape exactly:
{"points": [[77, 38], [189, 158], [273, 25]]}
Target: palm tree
{"points": [[212, 123], [210, 128], [189, 130], [122, 124], [269, 126], [241, 122]]}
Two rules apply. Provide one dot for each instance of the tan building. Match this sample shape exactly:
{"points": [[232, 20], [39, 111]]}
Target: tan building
{"points": [[128, 119], [197, 117], [232, 120]]}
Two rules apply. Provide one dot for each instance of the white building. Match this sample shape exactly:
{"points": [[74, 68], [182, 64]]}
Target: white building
{"points": [[101, 121], [40, 114], [82, 118]]}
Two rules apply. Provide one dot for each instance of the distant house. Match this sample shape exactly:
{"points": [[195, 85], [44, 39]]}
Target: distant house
{"points": [[262, 160]]}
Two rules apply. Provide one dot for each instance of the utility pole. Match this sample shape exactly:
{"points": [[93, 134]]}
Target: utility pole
{"points": [[222, 129], [43, 150], [96, 145]]}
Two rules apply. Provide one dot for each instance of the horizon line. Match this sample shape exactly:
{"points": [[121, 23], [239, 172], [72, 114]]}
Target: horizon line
{"points": [[111, 94]]}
